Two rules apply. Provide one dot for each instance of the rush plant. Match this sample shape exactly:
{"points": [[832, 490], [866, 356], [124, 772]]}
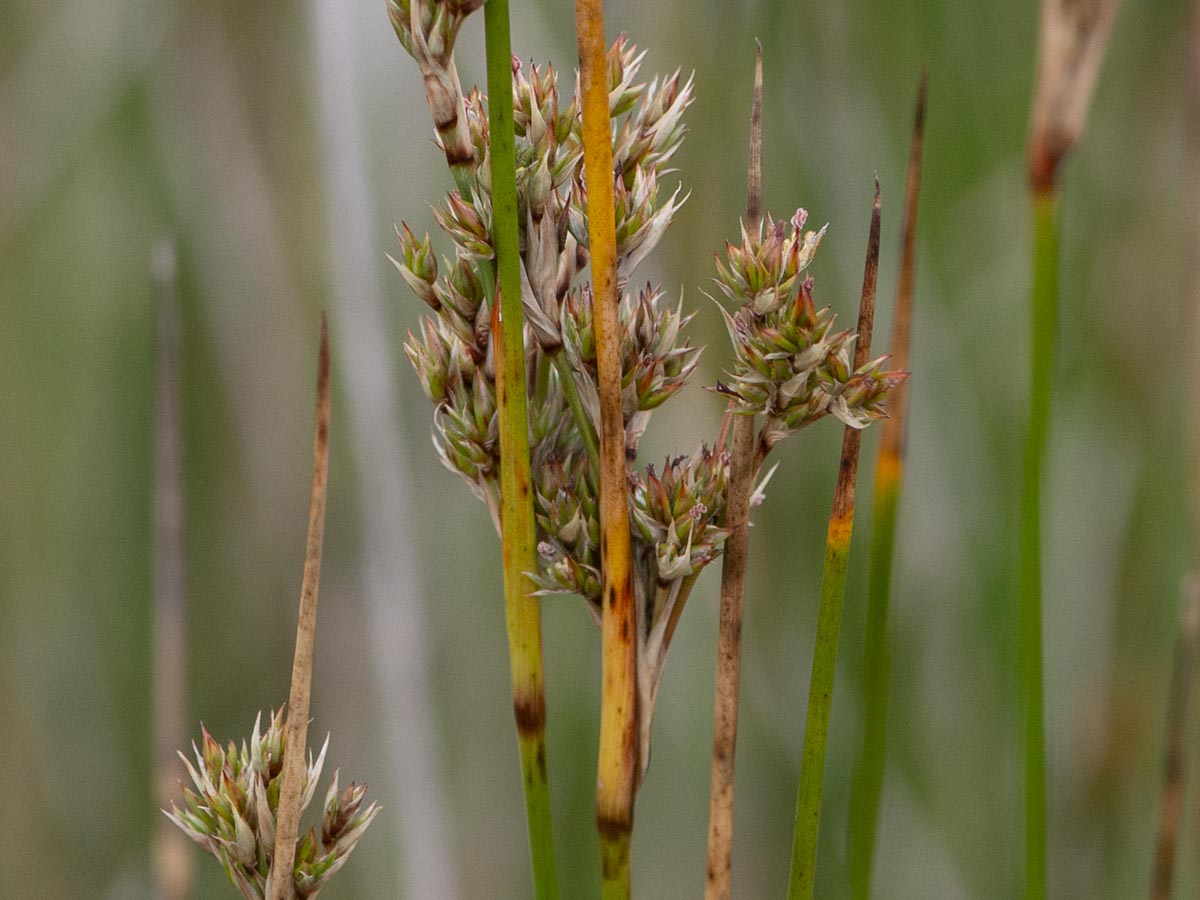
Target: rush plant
{"points": [[591, 360]]}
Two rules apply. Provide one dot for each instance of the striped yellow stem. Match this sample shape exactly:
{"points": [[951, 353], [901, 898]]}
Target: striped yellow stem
{"points": [[618, 757]]}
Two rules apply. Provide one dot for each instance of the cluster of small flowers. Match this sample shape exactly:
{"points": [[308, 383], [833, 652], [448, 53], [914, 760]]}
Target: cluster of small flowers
{"points": [[676, 515], [789, 364], [233, 814]]}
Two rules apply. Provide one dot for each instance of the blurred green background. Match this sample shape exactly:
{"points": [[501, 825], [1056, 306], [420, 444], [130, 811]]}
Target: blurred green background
{"points": [[277, 143]]}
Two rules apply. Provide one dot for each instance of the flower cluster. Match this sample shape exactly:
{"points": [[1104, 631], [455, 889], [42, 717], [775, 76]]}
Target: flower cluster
{"points": [[454, 355], [231, 814], [789, 364]]}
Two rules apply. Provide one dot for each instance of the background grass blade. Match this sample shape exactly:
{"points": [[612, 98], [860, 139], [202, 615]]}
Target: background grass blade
{"points": [[889, 473], [172, 863], [518, 535], [1170, 807], [829, 614], [1072, 40]]}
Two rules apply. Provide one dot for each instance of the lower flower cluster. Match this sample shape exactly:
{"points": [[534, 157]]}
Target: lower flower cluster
{"points": [[232, 812]]}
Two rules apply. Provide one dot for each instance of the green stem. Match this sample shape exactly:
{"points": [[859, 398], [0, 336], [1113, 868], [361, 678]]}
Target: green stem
{"points": [[583, 422], [518, 537], [1044, 311], [816, 727], [868, 778], [829, 613]]}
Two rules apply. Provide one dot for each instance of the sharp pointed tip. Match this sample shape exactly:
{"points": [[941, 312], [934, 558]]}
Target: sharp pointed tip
{"points": [[922, 99]]}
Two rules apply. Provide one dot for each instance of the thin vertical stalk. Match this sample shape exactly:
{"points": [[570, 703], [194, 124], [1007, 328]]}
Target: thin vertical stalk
{"points": [[1044, 306], [281, 885], [829, 613], [889, 473], [1170, 807], [1072, 38], [718, 871], [390, 571], [518, 532], [172, 861], [618, 757]]}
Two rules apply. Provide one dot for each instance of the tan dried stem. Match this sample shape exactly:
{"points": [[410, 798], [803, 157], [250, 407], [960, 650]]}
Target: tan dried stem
{"points": [[1170, 809], [171, 860], [281, 885], [1074, 34], [718, 870]]}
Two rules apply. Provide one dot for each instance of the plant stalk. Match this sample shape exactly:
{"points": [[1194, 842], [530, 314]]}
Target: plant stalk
{"points": [[719, 867], [1044, 304], [518, 531], [618, 756], [829, 613], [889, 472], [281, 885], [171, 858], [1072, 39]]}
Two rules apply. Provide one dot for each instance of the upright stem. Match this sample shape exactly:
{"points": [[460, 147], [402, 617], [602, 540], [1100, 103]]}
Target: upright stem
{"points": [[718, 871], [281, 886], [889, 472], [618, 757], [172, 861], [1072, 40], [1044, 303], [829, 614], [518, 532]]}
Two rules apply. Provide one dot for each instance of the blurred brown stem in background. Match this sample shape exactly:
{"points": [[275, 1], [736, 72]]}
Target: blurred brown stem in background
{"points": [[1170, 808], [171, 862]]}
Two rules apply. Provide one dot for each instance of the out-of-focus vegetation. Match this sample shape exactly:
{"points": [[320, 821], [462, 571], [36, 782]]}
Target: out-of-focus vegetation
{"points": [[121, 121]]}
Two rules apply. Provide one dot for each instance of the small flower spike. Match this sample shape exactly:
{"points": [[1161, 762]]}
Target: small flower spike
{"points": [[231, 813]]}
